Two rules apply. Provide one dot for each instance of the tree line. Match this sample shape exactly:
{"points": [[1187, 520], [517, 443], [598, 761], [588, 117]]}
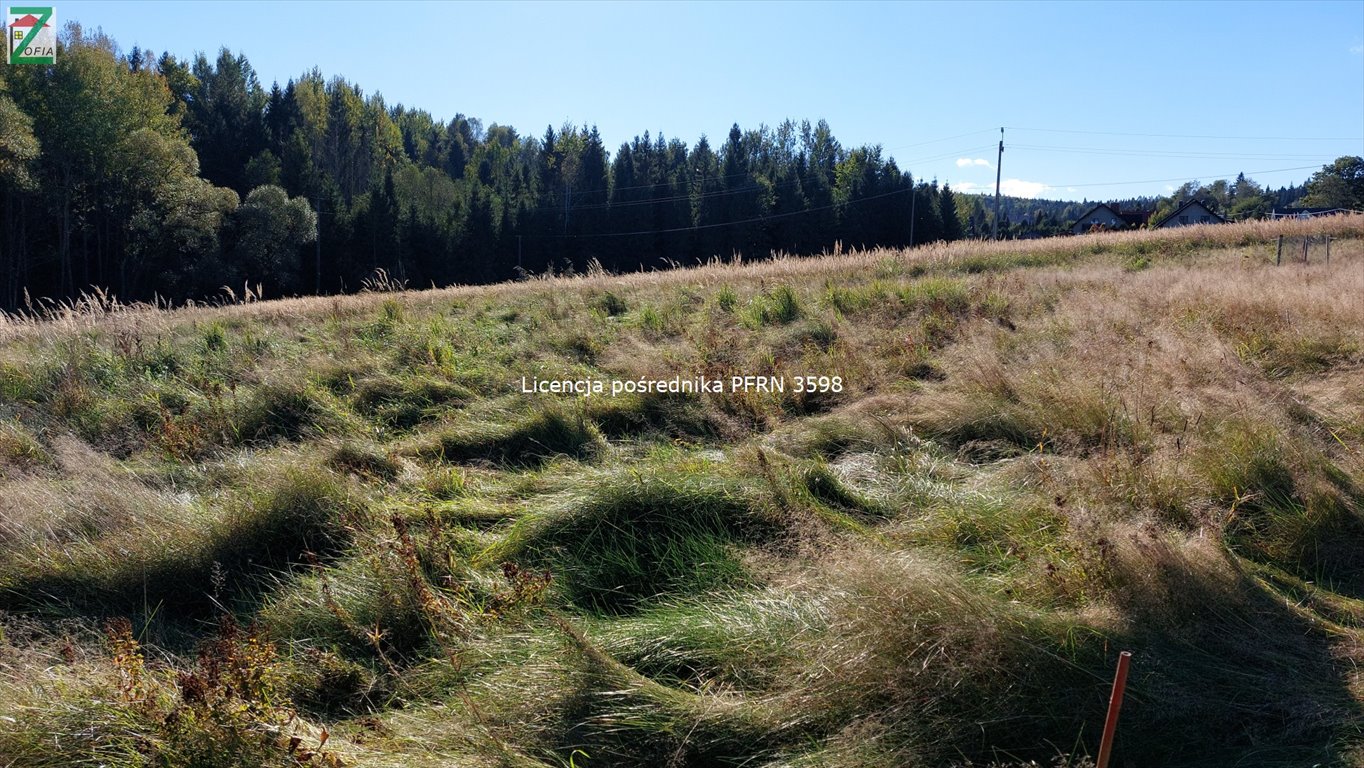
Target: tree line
{"points": [[153, 176]]}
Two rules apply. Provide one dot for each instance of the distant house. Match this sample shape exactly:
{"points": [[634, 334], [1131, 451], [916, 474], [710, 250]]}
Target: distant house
{"points": [[1107, 217], [1191, 212], [1295, 212]]}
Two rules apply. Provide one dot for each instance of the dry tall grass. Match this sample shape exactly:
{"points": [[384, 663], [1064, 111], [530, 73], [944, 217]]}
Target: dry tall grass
{"points": [[1255, 238]]}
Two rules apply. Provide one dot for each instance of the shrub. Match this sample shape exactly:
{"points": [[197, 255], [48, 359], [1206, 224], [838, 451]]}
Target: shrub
{"points": [[214, 338], [652, 319]]}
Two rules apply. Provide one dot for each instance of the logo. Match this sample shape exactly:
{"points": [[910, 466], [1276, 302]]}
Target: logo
{"points": [[32, 35]]}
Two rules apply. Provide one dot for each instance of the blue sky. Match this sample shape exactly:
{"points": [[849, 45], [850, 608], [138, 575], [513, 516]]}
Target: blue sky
{"points": [[1100, 100]]}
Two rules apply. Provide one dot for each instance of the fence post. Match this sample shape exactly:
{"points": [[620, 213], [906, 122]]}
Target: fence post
{"points": [[1328, 250], [1305, 242], [1278, 255]]}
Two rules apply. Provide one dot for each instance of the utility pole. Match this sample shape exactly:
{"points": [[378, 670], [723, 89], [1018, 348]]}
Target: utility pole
{"points": [[317, 252], [913, 198], [994, 229]]}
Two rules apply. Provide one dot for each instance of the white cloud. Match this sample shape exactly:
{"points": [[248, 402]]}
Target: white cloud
{"points": [[1021, 188], [1011, 187], [964, 162], [1357, 50]]}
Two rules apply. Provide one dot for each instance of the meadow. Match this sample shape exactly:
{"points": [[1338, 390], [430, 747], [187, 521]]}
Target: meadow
{"points": [[334, 531]]}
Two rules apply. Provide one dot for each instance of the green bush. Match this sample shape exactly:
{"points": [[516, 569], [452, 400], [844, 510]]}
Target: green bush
{"points": [[726, 299]]}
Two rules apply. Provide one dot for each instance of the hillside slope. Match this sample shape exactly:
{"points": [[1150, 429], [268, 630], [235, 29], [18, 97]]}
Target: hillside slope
{"points": [[336, 531]]}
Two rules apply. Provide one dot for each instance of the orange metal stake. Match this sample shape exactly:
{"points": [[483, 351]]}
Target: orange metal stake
{"points": [[1114, 704]]}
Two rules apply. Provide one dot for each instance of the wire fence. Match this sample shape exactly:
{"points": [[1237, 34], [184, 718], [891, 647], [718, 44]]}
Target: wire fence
{"points": [[1303, 249]]}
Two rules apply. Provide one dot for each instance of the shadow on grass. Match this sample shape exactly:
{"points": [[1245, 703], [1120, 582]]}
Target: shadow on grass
{"points": [[1229, 672], [226, 564], [527, 442]]}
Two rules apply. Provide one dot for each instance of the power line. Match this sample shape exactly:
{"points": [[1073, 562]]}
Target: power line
{"points": [[1180, 178], [1189, 135], [1169, 153], [763, 219]]}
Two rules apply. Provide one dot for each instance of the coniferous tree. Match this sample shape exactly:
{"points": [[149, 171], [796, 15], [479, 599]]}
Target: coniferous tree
{"points": [[951, 221], [225, 116]]}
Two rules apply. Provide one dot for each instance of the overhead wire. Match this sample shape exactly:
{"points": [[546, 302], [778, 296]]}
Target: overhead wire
{"points": [[1185, 135], [1166, 153], [1178, 178], [958, 153]]}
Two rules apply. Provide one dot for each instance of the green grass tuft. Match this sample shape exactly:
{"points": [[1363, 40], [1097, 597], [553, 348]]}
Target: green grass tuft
{"points": [[777, 306], [635, 538], [611, 304], [367, 461], [175, 565], [20, 450], [404, 402], [286, 411], [527, 441]]}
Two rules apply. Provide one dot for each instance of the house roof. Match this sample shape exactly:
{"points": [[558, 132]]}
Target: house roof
{"points": [[27, 21], [1189, 204], [1105, 206], [1134, 218]]}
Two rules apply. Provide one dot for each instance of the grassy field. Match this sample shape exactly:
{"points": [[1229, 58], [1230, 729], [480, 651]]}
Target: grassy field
{"points": [[334, 531]]}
